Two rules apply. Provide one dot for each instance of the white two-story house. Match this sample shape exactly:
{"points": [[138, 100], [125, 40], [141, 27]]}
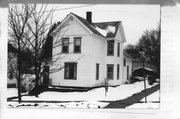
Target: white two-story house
{"points": [[92, 52]]}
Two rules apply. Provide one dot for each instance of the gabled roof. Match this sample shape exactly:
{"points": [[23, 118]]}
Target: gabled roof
{"points": [[104, 29]]}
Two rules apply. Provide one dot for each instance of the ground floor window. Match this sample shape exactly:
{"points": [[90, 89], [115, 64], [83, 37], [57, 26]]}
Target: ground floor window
{"points": [[118, 71], [70, 71], [97, 71], [127, 72], [124, 61], [110, 71]]}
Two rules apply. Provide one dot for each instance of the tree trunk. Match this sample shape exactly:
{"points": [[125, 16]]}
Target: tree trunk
{"points": [[35, 65], [145, 95], [19, 72]]}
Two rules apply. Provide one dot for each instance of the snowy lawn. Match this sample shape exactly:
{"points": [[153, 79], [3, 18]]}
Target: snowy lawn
{"points": [[12, 92], [89, 99]]}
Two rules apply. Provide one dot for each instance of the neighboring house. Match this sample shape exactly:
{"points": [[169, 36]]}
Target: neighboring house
{"points": [[139, 63], [12, 63], [128, 62], [91, 52]]}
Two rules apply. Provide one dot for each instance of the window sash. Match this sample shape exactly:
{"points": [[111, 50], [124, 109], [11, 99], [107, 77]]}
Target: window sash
{"points": [[97, 71], [65, 45], [124, 61], [110, 71], [118, 50], [70, 71], [110, 48], [118, 71], [77, 44]]}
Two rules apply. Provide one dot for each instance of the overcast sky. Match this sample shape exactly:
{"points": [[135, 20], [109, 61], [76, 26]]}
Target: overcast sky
{"points": [[135, 18]]}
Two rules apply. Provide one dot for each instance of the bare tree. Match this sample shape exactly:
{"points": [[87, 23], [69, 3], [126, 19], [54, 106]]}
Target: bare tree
{"points": [[17, 21], [38, 37]]}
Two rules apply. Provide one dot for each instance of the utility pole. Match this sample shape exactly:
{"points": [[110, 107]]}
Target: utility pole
{"points": [[144, 81], [143, 59], [106, 86]]}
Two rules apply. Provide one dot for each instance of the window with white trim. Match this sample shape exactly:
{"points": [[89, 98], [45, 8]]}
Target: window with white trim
{"points": [[65, 45], [110, 71], [110, 48], [97, 71], [70, 71], [118, 49], [77, 44], [118, 71]]}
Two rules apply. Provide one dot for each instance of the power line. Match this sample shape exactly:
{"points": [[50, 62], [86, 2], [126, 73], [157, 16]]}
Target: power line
{"points": [[67, 8], [70, 8], [56, 9]]}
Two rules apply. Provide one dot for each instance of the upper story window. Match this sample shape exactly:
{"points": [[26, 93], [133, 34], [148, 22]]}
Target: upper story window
{"points": [[97, 71], [77, 45], [124, 61], [118, 71], [65, 45], [110, 48], [118, 49]]}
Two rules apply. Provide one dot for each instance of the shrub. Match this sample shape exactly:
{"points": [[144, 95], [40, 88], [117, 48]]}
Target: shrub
{"points": [[28, 82]]}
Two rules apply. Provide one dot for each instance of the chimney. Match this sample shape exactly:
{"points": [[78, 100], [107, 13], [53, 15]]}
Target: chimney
{"points": [[89, 17]]}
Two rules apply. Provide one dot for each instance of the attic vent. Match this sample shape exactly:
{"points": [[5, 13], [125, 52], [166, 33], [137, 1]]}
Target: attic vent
{"points": [[71, 18]]}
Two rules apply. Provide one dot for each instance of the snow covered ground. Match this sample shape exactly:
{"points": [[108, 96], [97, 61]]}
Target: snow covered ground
{"points": [[91, 99], [153, 101]]}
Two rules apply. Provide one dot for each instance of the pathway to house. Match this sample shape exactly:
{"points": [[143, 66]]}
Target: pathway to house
{"points": [[135, 98]]}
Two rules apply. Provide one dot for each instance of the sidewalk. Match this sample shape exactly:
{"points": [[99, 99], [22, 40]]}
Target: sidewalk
{"points": [[136, 98]]}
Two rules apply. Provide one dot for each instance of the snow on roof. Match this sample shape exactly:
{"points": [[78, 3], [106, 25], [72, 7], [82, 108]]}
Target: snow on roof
{"points": [[102, 31], [105, 32], [110, 28], [144, 68], [105, 29]]}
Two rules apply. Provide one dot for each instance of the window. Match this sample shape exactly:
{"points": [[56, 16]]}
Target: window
{"points": [[127, 72], [110, 71], [124, 61], [97, 71], [65, 45], [110, 48], [77, 45], [118, 71], [70, 71], [118, 49]]}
